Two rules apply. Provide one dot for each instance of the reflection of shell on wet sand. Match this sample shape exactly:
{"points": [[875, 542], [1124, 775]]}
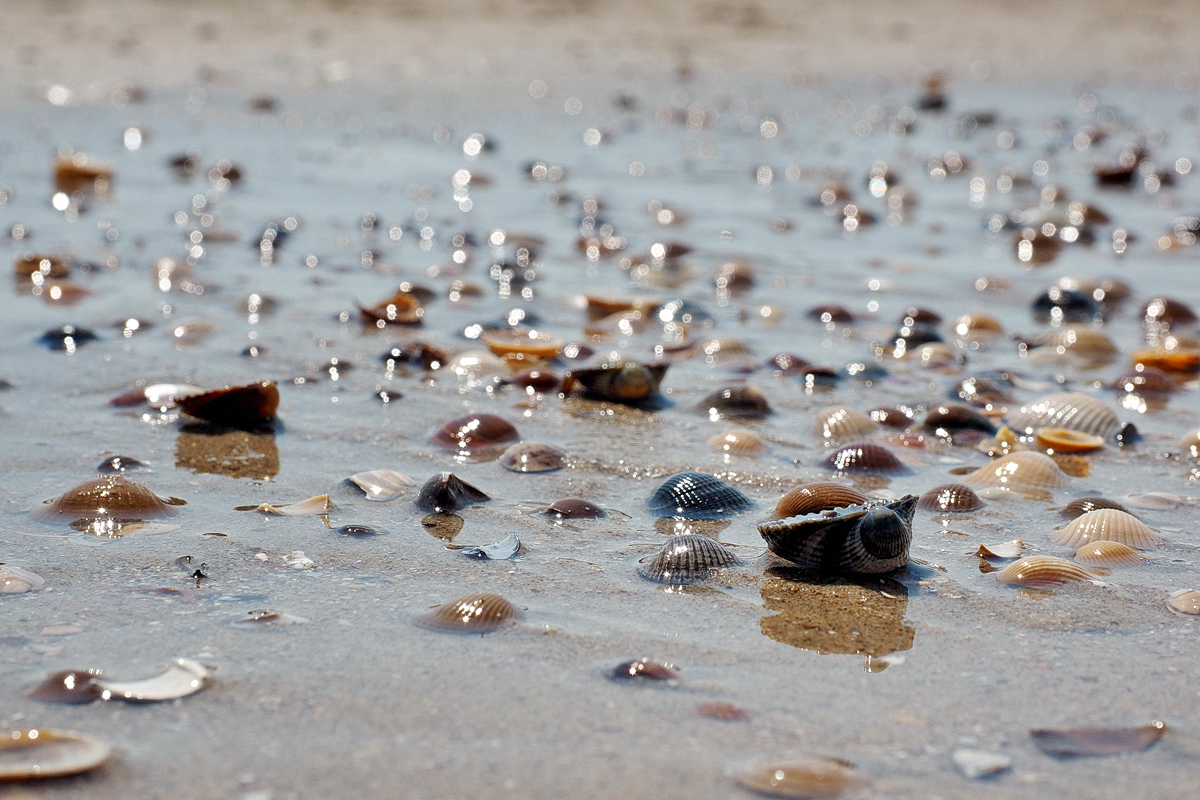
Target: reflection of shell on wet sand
{"points": [[688, 558], [1108, 554], [839, 423], [1071, 410], [1042, 572], [1106, 524], [475, 613], [112, 498], [808, 498], [1019, 472], [800, 777], [738, 442], [46, 753]]}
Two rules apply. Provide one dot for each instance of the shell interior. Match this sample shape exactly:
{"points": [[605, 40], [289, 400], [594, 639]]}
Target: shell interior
{"points": [[1042, 572], [182, 678], [14, 580], [801, 777], [382, 485], [808, 498]]}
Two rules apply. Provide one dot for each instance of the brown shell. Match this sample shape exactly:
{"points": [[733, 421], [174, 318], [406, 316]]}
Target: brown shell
{"points": [[1184, 602], [734, 277], [1146, 379], [446, 492], [643, 669], [950, 497], [110, 498], [1020, 472], [735, 402], [809, 498], [1190, 443], [475, 432], [1083, 505], [574, 508], [738, 442], [1071, 410], [1080, 341], [475, 613], [1065, 440], [1108, 554], [47, 753], [1180, 360], [687, 558], [1164, 311], [831, 314], [839, 424], [722, 709], [1066, 742], [522, 343], [951, 418], [236, 406], [72, 686], [864, 457], [533, 457], [31, 264], [1109, 525], [800, 777], [894, 417], [402, 308], [978, 327], [786, 364], [624, 383], [539, 380], [1042, 572]]}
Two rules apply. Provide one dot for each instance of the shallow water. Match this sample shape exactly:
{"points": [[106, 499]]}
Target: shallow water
{"points": [[892, 674]]}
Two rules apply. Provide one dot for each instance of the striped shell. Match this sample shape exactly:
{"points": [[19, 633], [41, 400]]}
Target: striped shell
{"points": [[475, 613], [1042, 572], [738, 442], [950, 497], [1064, 440], [688, 558], [696, 495], [107, 499], [864, 457], [533, 457], [1083, 505], [1108, 554], [1080, 341], [809, 498], [1071, 410], [1107, 525], [1019, 472], [838, 424], [864, 539]]}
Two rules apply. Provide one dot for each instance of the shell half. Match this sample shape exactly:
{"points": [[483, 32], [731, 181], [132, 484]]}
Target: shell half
{"points": [[688, 558], [1110, 525], [864, 539]]}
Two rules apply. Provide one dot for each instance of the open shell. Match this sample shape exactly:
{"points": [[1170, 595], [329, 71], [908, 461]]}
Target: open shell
{"points": [[1010, 549], [1184, 602], [1019, 472], [182, 678], [1107, 524], [382, 485], [46, 753], [1064, 440], [1108, 554], [865, 539], [1043, 572], [687, 558], [1071, 410], [630, 382], [475, 613], [696, 495], [809, 498], [103, 503], [840, 424]]}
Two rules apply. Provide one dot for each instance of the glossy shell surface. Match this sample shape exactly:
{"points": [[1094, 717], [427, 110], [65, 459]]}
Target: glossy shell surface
{"points": [[1071, 410], [238, 406], [382, 485], [475, 613], [696, 495], [1108, 554], [1042, 572], [864, 457], [533, 457], [738, 442], [800, 777], [1065, 440], [446, 492], [950, 498], [1020, 472], [735, 402], [475, 432], [1107, 525], [109, 498], [14, 580], [839, 424], [687, 558], [1184, 602], [863, 539], [624, 383], [574, 508], [808, 498], [46, 753]]}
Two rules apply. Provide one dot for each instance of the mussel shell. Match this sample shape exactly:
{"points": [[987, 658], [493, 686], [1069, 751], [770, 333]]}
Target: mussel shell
{"points": [[864, 457], [735, 402], [696, 495], [247, 406], [474, 613], [810, 498], [1043, 572], [533, 457], [574, 508], [1106, 524], [687, 558], [1082, 505], [950, 498], [865, 539], [1022, 471], [475, 432], [839, 423], [1071, 410], [623, 383], [107, 498], [446, 492]]}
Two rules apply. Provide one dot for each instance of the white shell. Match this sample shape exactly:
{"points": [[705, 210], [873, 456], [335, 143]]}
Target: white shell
{"points": [[48, 753], [1071, 410], [382, 485], [1184, 602], [163, 395], [297, 560], [14, 580], [1010, 549], [1106, 524], [266, 619], [320, 504], [979, 763], [182, 678]]}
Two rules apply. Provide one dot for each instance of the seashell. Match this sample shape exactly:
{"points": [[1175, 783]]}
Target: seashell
{"points": [[520, 343], [354, 529], [867, 371], [1064, 742], [1184, 602], [894, 417], [643, 669], [1065, 440], [159, 395], [1145, 380], [839, 423], [68, 338], [1083, 505], [533, 457], [721, 709], [418, 354], [382, 485], [1042, 572], [504, 549], [979, 763], [1034, 247], [478, 366], [864, 457], [475, 613], [182, 678], [810, 498], [319, 504], [46, 266], [800, 777], [47, 753], [14, 580], [1009, 549], [1023, 471], [1108, 525], [924, 316], [574, 508], [598, 307], [630, 382], [1180, 360], [1190, 443], [947, 420], [734, 402], [105, 504], [536, 380], [297, 560], [446, 492], [443, 526], [238, 407], [696, 495], [1155, 501], [402, 308], [936, 355], [71, 686], [910, 337], [475, 432], [978, 327], [734, 277], [116, 465], [950, 497], [786, 364], [1077, 341], [1108, 554], [830, 315], [688, 558], [80, 173], [983, 390], [1059, 305], [1163, 312], [863, 539], [268, 618], [738, 442], [683, 312]]}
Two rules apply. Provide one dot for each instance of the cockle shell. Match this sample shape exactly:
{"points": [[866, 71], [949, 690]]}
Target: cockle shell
{"points": [[1023, 471], [14, 580], [574, 508], [839, 424], [105, 502], [864, 457], [1184, 602], [643, 669], [800, 777], [447, 492], [809, 498], [1071, 410], [1064, 440], [688, 558], [46, 753], [247, 406], [533, 457], [475, 432], [696, 495], [864, 539], [1107, 524], [950, 497], [624, 383], [382, 485], [475, 613], [978, 327], [738, 442], [1082, 505], [1042, 572], [734, 402], [1104, 553], [1078, 341]]}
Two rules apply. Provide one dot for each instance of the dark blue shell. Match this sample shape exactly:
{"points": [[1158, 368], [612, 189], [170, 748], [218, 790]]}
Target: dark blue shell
{"points": [[695, 495]]}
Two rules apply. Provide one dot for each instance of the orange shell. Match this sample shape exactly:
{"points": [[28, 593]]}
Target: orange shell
{"points": [[1108, 554], [402, 308], [521, 343], [1042, 572], [808, 498], [1179, 360], [1106, 524], [111, 497], [1065, 440]]}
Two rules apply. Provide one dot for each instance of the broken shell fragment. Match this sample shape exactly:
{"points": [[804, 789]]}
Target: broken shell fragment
{"points": [[506, 548], [446, 492], [267, 618], [320, 504], [533, 457], [475, 613], [1064, 742], [688, 558], [979, 763], [46, 753], [382, 485], [250, 406], [1043, 572], [1108, 554], [801, 777], [643, 669], [1010, 549], [14, 580], [1184, 602], [104, 505], [182, 678], [1107, 524]]}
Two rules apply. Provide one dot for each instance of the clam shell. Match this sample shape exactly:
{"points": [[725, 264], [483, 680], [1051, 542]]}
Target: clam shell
{"points": [[1146, 380], [1083, 505], [735, 402], [839, 424], [1042, 572], [521, 343], [475, 432], [1019, 472], [1108, 525], [382, 485], [14, 580], [402, 308], [1096, 741], [738, 442], [978, 327], [238, 407], [950, 497], [109, 500], [688, 558], [865, 457], [446, 492], [1184, 602], [1165, 311], [46, 753], [574, 508], [800, 777], [1108, 554], [475, 613], [1071, 410], [533, 457], [1190, 443], [182, 678], [696, 495], [643, 669], [1065, 440], [863, 539], [809, 498]]}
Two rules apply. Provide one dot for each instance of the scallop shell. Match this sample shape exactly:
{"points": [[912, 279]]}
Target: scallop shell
{"points": [[446, 492], [839, 424], [624, 383], [643, 669], [864, 457], [1107, 525], [696, 495], [247, 406], [104, 503], [1083, 505], [1023, 471], [863, 539], [1065, 440], [688, 558], [475, 432], [574, 508], [735, 402], [382, 485], [1071, 410], [475, 613], [1042, 572], [1184, 602], [533, 457], [738, 442], [809, 498], [950, 497], [1108, 554], [800, 777], [46, 753], [14, 580]]}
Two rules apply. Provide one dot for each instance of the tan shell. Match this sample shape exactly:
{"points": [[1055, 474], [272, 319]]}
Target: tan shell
{"points": [[1071, 410], [520, 343], [111, 498], [1183, 360], [475, 613], [1184, 602], [1042, 572], [46, 753], [800, 777], [1010, 549], [838, 423], [318, 504], [1190, 443], [1065, 440], [1108, 554], [936, 355], [738, 442], [1019, 472], [809, 498], [1108, 525], [1081, 341], [978, 327]]}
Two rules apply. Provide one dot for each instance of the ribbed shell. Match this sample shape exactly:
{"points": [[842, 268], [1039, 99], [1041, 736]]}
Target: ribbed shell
{"points": [[809, 498], [696, 495], [1106, 525], [865, 457], [475, 613], [1108, 554], [688, 558], [1071, 410], [839, 424], [111, 497], [1083, 505], [1021, 471], [1043, 571], [800, 777], [447, 492], [738, 442], [533, 457], [950, 497], [1184, 602], [865, 539]]}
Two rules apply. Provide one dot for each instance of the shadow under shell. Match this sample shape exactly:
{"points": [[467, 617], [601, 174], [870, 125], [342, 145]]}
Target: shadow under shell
{"points": [[111, 500]]}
